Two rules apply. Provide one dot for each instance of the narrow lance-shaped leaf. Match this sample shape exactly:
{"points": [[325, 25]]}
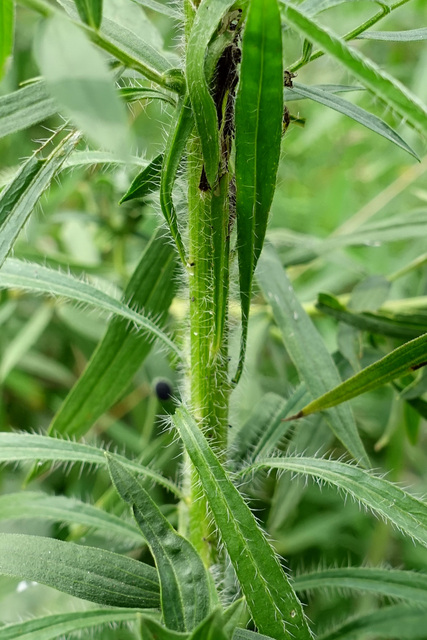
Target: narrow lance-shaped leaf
{"points": [[177, 139], [27, 276], [394, 94], [184, 582], [153, 630], [270, 597], [313, 7], [397, 621], [19, 198], [393, 583], [62, 624], [36, 505], [7, 25], [368, 120], [410, 35], [401, 361], [160, 7], [85, 572], [386, 499], [25, 107], [259, 114], [15, 447], [208, 15], [145, 182], [90, 11], [78, 78], [306, 348]]}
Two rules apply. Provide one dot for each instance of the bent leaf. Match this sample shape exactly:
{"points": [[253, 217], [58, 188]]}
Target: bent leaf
{"points": [[19, 197], [273, 604], [390, 90], [410, 35], [27, 276], [145, 182], [59, 624], [306, 348], [35, 505], [387, 582], [28, 447], [85, 572], [184, 582], [388, 500], [368, 120], [206, 20], [259, 114], [401, 361]]}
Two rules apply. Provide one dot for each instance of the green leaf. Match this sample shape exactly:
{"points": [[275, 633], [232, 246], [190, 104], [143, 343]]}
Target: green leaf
{"points": [[59, 624], [145, 182], [401, 361], [289, 95], [399, 327], [207, 18], [27, 276], [19, 198], [160, 7], [390, 90], [306, 348], [184, 581], [259, 114], [90, 158], [313, 7], [7, 25], [78, 78], [122, 350], [25, 107], [152, 630], [387, 500], [368, 120], [28, 447], [410, 35], [245, 634], [24, 340], [90, 11], [212, 628], [85, 572], [272, 601], [387, 582], [398, 621], [133, 94], [175, 146], [33, 505]]}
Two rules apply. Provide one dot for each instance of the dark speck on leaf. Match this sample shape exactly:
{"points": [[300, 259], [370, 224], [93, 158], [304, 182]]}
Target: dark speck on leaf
{"points": [[163, 390]]}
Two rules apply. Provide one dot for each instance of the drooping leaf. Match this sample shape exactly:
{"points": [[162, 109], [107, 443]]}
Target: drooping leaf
{"points": [[27, 276], [207, 18], [410, 35], [35, 505], [90, 11], [313, 7], [396, 327], [306, 347], [85, 572], [259, 114], [368, 120], [289, 95], [61, 624], [19, 198], [390, 90], [77, 77], [386, 499], [135, 93], [160, 7], [401, 361], [273, 604], [15, 447], [7, 26], [122, 351], [145, 182], [25, 107], [398, 621], [178, 136], [184, 582], [393, 583]]}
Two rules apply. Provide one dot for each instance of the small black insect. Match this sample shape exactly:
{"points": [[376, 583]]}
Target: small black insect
{"points": [[163, 390]]}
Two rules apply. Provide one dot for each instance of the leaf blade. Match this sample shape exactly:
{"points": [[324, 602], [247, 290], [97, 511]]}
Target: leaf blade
{"points": [[7, 26]]}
